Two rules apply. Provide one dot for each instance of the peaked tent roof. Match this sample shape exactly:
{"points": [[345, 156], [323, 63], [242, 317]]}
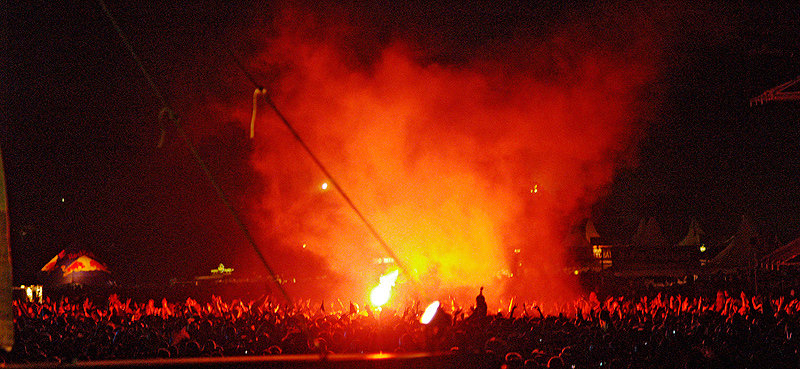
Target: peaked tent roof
{"points": [[74, 261], [648, 234], [693, 235], [783, 254], [741, 252], [75, 266], [591, 231]]}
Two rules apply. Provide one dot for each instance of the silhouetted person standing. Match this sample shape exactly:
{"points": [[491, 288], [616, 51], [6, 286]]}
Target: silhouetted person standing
{"points": [[480, 306]]}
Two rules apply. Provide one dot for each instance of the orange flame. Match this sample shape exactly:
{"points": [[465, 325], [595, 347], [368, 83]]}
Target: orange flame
{"points": [[381, 294]]}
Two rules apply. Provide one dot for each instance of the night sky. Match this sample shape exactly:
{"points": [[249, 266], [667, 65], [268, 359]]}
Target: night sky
{"points": [[80, 125]]}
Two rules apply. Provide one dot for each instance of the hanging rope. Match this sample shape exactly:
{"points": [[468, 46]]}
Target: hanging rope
{"points": [[167, 112], [164, 115], [258, 91]]}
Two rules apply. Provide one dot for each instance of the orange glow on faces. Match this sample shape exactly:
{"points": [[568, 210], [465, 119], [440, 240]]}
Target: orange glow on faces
{"points": [[441, 158]]}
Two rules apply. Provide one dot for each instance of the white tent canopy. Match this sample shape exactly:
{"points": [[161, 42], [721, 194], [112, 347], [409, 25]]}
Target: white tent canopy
{"points": [[648, 235], [741, 252], [693, 236]]}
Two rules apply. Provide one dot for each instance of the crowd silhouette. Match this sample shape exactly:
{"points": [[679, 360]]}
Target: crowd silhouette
{"points": [[660, 330]]}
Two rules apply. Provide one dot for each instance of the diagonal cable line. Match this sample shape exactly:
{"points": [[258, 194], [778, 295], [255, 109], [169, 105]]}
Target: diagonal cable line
{"points": [[262, 91], [173, 117], [139, 64]]}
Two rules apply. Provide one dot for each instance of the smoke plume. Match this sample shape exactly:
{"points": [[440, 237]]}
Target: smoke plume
{"points": [[473, 156]]}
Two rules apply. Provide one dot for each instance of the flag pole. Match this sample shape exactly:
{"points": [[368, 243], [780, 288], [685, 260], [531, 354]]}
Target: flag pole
{"points": [[6, 280]]}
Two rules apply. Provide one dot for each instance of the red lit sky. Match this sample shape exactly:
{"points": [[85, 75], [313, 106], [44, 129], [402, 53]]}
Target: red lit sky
{"points": [[437, 121]]}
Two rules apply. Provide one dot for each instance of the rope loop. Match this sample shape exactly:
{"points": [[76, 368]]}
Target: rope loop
{"points": [[258, 91]]}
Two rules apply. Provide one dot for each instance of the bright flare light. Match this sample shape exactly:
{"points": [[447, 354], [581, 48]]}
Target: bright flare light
{"points": [[429, 313], [381, 294], [324, 186]]}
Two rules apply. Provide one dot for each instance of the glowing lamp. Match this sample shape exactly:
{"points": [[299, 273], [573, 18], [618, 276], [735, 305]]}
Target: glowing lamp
{"points": [[429, 313], [702, 248]]}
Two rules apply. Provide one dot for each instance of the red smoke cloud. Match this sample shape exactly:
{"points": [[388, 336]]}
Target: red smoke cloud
{"points": [[443, 156]]}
